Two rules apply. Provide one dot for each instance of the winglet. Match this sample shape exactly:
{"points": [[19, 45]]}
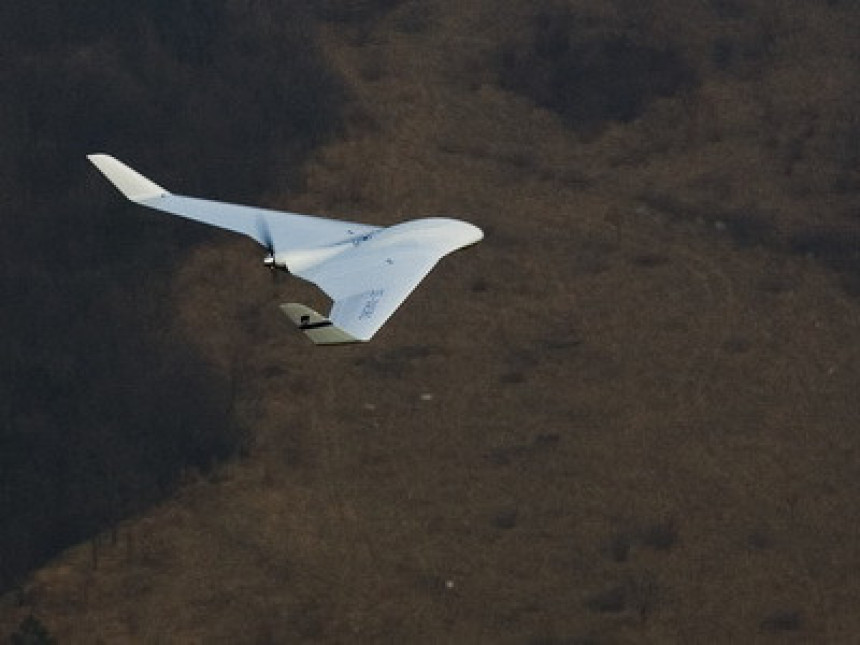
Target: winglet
{"points": [[317, 327], [129, 182]]}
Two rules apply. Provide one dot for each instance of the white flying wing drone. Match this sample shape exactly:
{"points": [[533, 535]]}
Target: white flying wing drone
{"points": [[368, 271]]}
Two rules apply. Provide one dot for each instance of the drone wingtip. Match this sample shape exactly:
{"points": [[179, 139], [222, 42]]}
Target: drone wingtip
{"points": [[317, 327], [129, 182]]}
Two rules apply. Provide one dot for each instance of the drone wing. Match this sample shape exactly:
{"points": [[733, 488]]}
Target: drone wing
{"points": [[363, 301], [367, 271], [289, 231], [370, 280]]}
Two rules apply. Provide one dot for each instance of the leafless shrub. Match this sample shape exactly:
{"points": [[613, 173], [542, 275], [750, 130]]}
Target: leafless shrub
{"points": [[660, 536], [480, 286], [512, 378], [546, 441], [617, 547], [398, 361], [650, 260], [636, 595], [759, 541], [506, 518], [577, 640], [786, 620], [504, 456], [354, 11], [737, 345], [611, 601], [414, 19]]}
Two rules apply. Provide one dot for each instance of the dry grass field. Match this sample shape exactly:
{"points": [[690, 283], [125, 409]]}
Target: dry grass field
{"points": [[629, 415]]}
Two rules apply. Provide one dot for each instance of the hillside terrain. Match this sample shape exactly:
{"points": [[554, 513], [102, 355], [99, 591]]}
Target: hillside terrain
{"points": [[628, 415]]}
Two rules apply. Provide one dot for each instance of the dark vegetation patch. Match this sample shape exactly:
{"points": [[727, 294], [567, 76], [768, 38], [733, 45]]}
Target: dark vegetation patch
{"points": [[637, 596], [740, 55], [354, 11], [308, 620], [546, 441], [557, 339], [728, 9], [788, 620], [518, 363], [747, 228], [506, 518], [609, 601], [522, 358], [430, 582], [480, 285], [650, 260], [414, 19], [588, 76], [837, 249], [576, 640], [31, 631], [759, 541], [660, 535], [103, 410], [398, 361], [505, 455], [513, 378], [541, 444], [775, 284], [737, 345], [617, 547], [561, 342], [592, 256]]}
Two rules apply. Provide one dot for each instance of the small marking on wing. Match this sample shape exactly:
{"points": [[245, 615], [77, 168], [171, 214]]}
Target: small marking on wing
{"points": [[370, 305], [363, 238]]}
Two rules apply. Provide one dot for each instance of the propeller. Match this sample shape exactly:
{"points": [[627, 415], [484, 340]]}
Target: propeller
{"points": [[265, 236]]}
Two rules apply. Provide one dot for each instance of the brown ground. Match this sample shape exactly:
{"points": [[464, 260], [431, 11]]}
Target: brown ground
{"points": [[611, 421]]}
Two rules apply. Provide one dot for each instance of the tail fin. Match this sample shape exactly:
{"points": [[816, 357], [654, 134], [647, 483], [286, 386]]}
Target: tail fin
{"points": [[318, 328]]}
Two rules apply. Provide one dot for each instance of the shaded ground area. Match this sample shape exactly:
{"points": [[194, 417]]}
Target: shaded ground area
{"points": [[628, 415], [103, 405], [590, 75]]}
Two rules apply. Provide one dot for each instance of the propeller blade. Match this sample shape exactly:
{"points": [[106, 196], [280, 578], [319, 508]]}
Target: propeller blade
{"points": [[266, 235], [267, 239]]}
